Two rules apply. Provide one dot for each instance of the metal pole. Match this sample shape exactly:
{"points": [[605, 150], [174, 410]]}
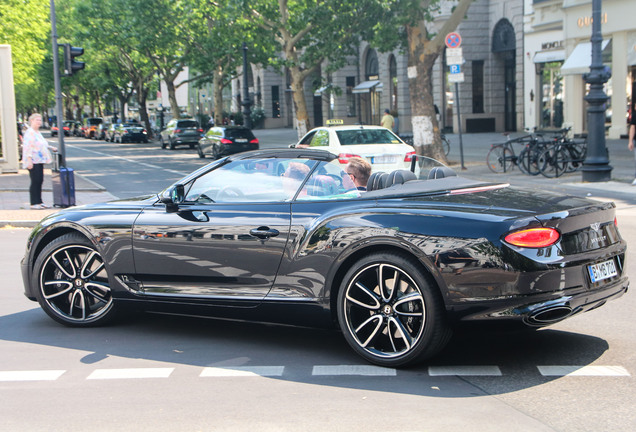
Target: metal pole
{"points": [[459, 127], [596, 166], [247, 112], [58, 88]]}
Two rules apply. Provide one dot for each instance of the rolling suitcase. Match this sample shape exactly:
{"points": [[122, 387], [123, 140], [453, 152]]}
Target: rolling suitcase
{"points": [[63, 187]]}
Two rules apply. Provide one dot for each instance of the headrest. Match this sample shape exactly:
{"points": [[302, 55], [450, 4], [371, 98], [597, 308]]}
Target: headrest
{"points": [[377, 180], [441, 172], [400, 177]]}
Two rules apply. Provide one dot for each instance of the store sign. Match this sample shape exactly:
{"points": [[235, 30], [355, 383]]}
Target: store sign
{"points": [[551, 45], [587, 21]]}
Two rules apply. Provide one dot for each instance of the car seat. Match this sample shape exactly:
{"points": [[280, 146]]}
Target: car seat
{"points": [[441, 172], [400, 177], [377, 180]]}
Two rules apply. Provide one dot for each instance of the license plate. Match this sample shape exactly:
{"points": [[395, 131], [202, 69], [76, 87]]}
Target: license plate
{"points": [[241, 140], [600, 271], [383, 159]]}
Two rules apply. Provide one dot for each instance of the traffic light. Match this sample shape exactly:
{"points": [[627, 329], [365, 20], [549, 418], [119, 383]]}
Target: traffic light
{"points": [[70, 64]]}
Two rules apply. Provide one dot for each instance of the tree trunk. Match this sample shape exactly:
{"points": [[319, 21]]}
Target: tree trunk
{"points": [[303, 125], [217, 83], [142, 94], [172, 96], [426, 135]]}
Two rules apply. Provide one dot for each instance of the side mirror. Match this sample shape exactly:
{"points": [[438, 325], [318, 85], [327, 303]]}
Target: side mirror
{"points": [[172, 197]]}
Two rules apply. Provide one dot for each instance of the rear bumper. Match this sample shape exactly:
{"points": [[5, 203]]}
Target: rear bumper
{"points": [[544, 309]]}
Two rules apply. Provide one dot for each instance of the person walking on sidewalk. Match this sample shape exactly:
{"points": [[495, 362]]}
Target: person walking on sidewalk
{"points": [[35, 153], [387, 120], [632, 134]]}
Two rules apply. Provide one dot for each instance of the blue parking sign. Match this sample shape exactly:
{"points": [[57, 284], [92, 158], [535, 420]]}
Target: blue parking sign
{"points": [[455, 69]]}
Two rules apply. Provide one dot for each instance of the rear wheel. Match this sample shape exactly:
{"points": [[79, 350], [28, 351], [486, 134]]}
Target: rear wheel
{"points": [[500, 159], [390, 313], [215, 152], [163, 143], [200, 152], [72, 282]]}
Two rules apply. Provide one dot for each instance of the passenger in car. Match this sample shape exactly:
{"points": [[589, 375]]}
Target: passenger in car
{"points": [[359, 170]]}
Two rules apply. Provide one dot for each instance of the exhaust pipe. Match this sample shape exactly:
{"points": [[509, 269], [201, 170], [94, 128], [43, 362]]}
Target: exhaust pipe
{"points": [[550, 315]]}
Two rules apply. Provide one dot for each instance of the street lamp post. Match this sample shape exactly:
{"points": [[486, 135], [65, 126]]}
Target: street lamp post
{"points": [[247, 103], [596, 167]]}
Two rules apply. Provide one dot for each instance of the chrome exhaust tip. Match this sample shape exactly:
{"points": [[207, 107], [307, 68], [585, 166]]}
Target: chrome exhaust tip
{"points": [[550, 315]]}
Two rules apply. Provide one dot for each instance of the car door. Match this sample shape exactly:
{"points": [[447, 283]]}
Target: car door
{"points": [[225, 243]]}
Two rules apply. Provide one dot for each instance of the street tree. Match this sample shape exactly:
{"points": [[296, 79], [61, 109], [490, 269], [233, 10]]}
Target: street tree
{"points": [[310, 35], [424, 43]]}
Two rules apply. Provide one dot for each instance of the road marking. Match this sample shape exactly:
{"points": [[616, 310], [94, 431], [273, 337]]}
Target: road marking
{"points": [[583, 371], [37, 375], [464, 371], [243, 371], [131, 373], [147, 165], [339, 370]]}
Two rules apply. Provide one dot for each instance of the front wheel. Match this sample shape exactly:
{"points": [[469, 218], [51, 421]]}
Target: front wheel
{"points": [[72, 282], [390, 313], [500, 159]]}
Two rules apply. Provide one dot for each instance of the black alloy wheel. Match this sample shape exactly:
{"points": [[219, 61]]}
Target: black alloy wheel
{"points": [[389, 311], [72, 282]]}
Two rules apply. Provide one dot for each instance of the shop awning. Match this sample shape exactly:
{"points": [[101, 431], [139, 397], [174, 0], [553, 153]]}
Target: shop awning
{"points": [[549, 56], [367, 86], [581, 58]]}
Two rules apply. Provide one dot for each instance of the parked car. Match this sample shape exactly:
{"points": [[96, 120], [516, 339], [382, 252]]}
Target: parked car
{"points": [[384, 150], [76, 128], [110, 132], [130, 132], [66, 125], [180, 132], [90, 126], [226, 140], [100, 133], [285, 236]]}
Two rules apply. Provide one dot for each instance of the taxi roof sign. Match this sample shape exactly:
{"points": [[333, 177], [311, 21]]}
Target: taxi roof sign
{"points": [[334, 122]]}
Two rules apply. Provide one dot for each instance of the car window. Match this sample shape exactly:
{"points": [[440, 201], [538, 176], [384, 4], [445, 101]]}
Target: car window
{"points": [[321, 139], [367, 136], [307, 138], [251, 180], [328, 182], [239, 133], [187, 124]]}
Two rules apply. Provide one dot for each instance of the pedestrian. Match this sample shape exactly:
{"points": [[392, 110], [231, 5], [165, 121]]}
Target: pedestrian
{"points": [[35, 153], [632, 134], [359, 170], [387, 120]]}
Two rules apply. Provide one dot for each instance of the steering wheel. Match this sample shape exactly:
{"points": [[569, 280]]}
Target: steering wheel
{"points": [[229, 193]]}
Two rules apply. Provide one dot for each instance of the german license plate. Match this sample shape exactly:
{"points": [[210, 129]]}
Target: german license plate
{"points": [[600, 271], [385, 159], [241, 140]]}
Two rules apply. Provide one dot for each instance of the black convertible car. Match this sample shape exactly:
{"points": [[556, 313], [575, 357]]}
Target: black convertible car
{"points": [[284, 236]]}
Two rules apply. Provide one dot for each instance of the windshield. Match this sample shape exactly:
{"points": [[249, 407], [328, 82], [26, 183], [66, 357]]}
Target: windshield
{"points": [[367, 136], [187, 124]]}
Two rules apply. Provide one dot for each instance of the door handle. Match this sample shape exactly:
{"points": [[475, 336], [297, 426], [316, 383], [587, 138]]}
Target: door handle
{"points": [[264, 232]]}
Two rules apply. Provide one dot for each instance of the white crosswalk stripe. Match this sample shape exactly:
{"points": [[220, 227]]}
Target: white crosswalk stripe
{"points": [[341, 370], [104, 374], [464, 371], [247, 371], [583, 371], [37, 375]]}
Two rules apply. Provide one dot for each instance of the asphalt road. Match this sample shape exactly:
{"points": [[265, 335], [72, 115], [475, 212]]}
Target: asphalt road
{"points": [[165, 373]]}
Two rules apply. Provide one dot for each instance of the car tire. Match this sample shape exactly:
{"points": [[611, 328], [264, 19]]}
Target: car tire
{"points": [[72, 282], [163, 143], [387, 325], [215, 152], [171, 145], [200, 152]]}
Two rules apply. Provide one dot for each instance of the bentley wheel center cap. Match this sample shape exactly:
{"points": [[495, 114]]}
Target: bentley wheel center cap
{"points": [[388, 310], [79, 284]]}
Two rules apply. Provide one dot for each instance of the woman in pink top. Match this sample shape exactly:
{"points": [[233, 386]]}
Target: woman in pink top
{"points": [[35, 153]]}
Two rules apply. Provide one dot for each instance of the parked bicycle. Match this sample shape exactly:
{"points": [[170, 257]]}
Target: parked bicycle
{"points": [[564, 156], [502, 157]]}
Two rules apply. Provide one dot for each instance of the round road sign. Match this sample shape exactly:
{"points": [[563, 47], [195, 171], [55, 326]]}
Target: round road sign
{"points": [[453, 40]]}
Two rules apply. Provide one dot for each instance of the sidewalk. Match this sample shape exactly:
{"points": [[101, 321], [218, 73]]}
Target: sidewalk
{"points": [[14, 188], [14, 197]]}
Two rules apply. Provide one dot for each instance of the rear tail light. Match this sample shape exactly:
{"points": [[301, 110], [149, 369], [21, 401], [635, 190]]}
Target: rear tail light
{"points": [[409, 156], [254, 141], [533, 237], [343, 158], [200, 130], [226, 141], [66, 128], [178, 131]]}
